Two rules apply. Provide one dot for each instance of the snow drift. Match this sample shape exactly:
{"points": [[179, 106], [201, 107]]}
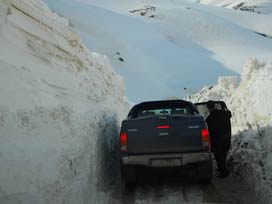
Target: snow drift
{"points": [[249, 101], [59, 109]]}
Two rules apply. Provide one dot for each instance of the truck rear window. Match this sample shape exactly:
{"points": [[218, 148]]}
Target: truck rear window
{"points": [[158, 108], [164, 111]]}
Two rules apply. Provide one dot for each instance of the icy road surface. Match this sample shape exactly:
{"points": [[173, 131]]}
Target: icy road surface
{"points": [[175, 190]]}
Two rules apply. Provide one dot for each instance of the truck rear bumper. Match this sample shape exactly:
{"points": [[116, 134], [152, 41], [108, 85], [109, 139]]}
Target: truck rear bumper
{"points": [[146, 160]]}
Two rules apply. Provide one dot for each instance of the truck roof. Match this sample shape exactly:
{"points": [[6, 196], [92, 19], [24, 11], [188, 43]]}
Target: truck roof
{"points": [[160, 102]]}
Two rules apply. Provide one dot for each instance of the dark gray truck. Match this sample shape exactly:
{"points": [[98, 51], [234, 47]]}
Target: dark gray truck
{"points": [[164, 134]]}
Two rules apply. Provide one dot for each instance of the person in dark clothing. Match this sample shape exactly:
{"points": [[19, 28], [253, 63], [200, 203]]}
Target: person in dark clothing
{"points": [[220, 135]]}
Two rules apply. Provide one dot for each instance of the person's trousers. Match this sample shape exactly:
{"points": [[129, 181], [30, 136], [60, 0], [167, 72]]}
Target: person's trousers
{"points": [[220, 155], [220, 150]]}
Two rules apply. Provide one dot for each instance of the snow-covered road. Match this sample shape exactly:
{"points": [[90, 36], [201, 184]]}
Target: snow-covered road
{"points": [[176, 189]]}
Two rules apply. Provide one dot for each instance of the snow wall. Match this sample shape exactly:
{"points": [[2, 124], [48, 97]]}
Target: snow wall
{"points": [[60, 110], [249, 100]]}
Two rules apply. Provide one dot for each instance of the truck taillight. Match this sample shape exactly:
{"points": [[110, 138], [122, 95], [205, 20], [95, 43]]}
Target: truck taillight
{"points": [[163, 126], [123, 142], [205, 139]]}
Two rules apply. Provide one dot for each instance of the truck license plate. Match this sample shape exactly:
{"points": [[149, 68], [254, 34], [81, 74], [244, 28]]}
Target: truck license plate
{"points": [[165, 162]]}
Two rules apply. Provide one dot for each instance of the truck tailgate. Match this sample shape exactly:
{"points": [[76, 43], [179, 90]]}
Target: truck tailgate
{"points": [[164, 134]]}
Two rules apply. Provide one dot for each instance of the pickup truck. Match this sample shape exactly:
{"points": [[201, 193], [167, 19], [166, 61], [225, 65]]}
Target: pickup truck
{"points": [[164, 134]]}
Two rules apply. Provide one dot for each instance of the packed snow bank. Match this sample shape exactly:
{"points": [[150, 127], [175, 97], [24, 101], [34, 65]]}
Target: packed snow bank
{"points": [[251, 159], [251, 153], [60, 109]]}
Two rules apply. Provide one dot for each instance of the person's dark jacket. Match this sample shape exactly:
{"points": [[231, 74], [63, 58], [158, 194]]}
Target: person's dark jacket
{"points": [[219, 126]]}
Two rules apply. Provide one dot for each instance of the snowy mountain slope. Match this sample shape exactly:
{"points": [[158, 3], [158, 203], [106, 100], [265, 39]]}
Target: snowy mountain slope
{"points": [[56, 113], [251, 21], [257, 6], [258, 23], [152, 63], [250, 104], [166, 46]]}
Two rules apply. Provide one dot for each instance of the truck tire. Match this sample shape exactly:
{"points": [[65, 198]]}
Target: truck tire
{"points": [[128, 176], [204, 172]]}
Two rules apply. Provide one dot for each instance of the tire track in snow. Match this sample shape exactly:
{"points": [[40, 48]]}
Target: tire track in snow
{"points": [[122, 197], [158, 193], [184, 194], [173, 191], [176, 190], [211, 195]]}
